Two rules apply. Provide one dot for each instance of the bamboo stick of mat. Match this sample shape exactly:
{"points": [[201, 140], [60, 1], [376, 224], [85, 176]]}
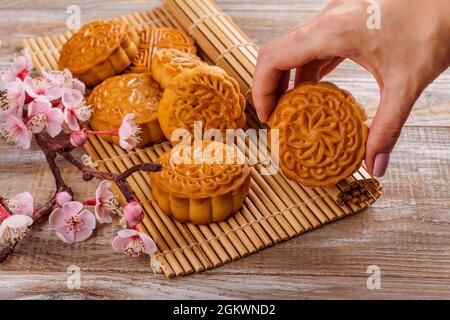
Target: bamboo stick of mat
{"points": [[211, 43]]}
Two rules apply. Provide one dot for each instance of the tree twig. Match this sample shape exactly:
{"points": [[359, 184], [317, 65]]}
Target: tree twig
{"points": [[60, 145]]}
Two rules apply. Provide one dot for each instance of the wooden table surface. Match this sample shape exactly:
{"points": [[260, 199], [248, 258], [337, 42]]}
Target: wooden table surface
{"points": [[406, 233]]}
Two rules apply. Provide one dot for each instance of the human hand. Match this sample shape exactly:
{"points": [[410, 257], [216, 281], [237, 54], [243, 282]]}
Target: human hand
{"points": [[411, 49]]}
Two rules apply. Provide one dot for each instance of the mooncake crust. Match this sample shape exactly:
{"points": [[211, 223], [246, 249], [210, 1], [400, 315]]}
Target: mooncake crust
{"points": [[322, 134], [168, 63], [99, 50], [205, 94], [129, 93], [203, 191]]}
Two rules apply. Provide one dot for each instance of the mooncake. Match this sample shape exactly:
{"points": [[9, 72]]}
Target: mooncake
{"points": [[206, 95], [202, 183], [152, 39], [99, 50], [322, 134], [120, 95], [168, 63]]}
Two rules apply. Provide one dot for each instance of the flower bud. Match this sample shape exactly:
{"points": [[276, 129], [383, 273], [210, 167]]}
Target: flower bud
{"points": [[63, 197], [133, 213], [78, 138]]}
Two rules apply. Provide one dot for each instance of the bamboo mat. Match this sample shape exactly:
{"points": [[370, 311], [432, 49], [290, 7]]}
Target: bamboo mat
{"points": [[276, 208]]}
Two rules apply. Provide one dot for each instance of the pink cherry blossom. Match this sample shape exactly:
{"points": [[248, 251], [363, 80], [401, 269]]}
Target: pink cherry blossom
{"points": [[43, 115], [64, 79], [133, 213], [14, 228], [15, 95], [78, 138], [75, 109], [105, 202], [72, 223], [21, 204], [133, 243], [20, 68], [62, 197], [41, 87], [14, 131], [129, 133]]}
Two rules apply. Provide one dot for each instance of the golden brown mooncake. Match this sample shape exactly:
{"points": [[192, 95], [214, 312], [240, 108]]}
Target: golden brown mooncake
{"points": [[322, 134], [199, 184], [152, 39], [168, 63], [204, 94], [120, 95], [99, 50]]}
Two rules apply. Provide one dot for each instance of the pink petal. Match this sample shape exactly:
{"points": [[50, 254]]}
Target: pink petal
{"points": [[24, 203], [57, 219], [30, 87], [72, 208], [12, 123], [102, 190], [88, 218], [55, 118], [22, 63], [17, 221], [71, 120], [127, 233], [8, 76], [25, 139], [54, 93], [72, 99], [66, 237], [39, 106], [78, 85], [102, 214], [88, 227], [149, 244], [125, 131], [16, 95], [125, 145], [119, 244]]}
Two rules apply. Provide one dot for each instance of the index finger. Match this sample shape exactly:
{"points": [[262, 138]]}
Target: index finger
{"points": [[292, 50]]}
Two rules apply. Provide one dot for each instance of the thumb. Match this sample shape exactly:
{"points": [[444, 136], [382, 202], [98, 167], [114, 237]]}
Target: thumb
{"points": [[385, 130]]}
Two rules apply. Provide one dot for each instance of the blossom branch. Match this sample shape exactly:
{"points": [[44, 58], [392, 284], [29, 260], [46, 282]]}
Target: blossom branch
{"points": [[44, 107]]}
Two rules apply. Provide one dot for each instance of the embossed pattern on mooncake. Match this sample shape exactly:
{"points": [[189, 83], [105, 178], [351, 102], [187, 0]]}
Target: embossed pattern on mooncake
{"points": [[202, 183], [151, 39], [130, 93], [99, 50], [205, 94], [168, 63], [322, 133]]}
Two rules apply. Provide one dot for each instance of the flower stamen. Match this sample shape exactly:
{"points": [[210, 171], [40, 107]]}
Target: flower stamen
{"points": [[135, 247], [74, 224]]}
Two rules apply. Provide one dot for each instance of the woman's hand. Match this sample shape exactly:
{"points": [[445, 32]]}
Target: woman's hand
{"points": [[405, 55]]}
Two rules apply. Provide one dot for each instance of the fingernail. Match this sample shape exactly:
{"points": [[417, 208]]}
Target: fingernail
{"points": [[381, 164], [259, 117]]}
